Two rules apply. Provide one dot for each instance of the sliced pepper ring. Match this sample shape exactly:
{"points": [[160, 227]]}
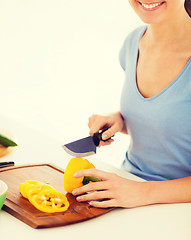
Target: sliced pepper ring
{"points": [[35, 190], [27, 185], [50, 201], [25, 188]]}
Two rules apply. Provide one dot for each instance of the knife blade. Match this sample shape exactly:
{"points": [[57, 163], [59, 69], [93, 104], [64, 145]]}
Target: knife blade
{"points": [[84, 147]]}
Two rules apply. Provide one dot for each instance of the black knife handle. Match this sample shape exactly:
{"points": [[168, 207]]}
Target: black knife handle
{"points": [[6, 164], [97, 138]]}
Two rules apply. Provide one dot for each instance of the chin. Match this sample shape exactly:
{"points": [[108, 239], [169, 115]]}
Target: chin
{"points": [[149, 20], [149, 15]]}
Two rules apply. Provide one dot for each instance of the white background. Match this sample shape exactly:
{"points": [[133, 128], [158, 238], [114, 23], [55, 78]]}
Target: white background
{"points": [[59, 64]]}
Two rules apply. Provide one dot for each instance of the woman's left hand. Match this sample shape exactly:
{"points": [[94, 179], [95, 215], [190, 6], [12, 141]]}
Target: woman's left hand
{"points": [[111, 191]]}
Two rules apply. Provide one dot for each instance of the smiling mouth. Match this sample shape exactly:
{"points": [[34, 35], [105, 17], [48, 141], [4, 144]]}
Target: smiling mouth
{"points": [[150, 6]]}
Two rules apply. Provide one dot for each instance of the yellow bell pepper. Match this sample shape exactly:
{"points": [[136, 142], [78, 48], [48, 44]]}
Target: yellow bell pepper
{"points": [[44, 197], [76, 164]]}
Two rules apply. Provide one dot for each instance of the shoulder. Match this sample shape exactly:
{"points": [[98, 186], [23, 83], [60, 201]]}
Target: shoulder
{"points": [[134, 36], [130, 42]]}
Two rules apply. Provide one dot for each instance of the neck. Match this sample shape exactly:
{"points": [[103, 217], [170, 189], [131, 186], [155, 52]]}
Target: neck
{"points": [[176, 31]]}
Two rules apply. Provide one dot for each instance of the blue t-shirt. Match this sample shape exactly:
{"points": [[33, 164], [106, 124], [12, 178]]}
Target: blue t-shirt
{"points": [[160, 126]]}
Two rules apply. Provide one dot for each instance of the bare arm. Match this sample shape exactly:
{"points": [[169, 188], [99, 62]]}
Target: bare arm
{"points": [[172, 191]]}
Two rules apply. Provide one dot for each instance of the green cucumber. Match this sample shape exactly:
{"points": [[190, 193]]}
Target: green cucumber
{"points": [[7, 142]]}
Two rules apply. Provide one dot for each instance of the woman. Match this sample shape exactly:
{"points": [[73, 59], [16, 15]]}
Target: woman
{"points": [[155, 112]]}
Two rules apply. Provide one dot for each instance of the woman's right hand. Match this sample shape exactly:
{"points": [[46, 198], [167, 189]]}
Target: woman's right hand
{"points": [[113, 123]]}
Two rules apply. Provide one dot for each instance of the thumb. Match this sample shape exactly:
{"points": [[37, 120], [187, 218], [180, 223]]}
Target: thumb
{"points": [[108, 133]]}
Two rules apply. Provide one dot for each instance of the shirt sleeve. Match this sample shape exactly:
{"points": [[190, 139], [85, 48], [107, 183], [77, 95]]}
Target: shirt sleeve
{"points": [[124, 52], [122, 55], [128, 45]]}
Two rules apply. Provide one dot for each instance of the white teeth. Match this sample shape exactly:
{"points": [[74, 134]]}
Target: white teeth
{"points": [[150, 6]]}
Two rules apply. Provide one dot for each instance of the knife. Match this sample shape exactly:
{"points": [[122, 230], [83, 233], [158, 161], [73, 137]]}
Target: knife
{"points": [[6, 164], [84, 147]]}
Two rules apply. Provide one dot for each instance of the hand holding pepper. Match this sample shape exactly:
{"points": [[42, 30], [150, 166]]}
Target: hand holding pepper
{"points": [[111, 191]]}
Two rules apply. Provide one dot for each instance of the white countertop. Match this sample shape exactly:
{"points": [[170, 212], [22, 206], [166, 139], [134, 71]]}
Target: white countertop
{"points": [[162, 221]]}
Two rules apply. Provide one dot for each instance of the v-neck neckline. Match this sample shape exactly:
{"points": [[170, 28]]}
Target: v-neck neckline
{"points": [[167, 87]]}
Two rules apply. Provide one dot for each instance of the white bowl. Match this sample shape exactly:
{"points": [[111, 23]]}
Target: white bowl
{"points": [[3, 192]]}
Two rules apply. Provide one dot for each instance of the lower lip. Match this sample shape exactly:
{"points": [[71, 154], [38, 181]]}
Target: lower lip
{"points": [[151, 9]]}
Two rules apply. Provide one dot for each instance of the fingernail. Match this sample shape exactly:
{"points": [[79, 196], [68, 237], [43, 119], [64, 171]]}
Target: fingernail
{"points": [[75, 174], [74, 192], [78, 198], [105, 136]]}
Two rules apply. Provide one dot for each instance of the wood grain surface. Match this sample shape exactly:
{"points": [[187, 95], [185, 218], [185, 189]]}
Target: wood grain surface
{"points": [[5, 150], [22, 209]]}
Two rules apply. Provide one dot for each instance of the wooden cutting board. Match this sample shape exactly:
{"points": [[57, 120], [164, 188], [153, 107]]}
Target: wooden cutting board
{"points": [[22, 209]]}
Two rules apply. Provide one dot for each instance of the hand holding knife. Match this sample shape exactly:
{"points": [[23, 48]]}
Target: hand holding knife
{"points": [[84, 147], [98, 125]]}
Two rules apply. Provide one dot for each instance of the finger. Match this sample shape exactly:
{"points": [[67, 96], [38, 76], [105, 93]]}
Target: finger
{"points": [[110, 132], [103, 204], [90, 123], [96, 195], [98, 123], [90, 187], [93, 172], [104, 143]]}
